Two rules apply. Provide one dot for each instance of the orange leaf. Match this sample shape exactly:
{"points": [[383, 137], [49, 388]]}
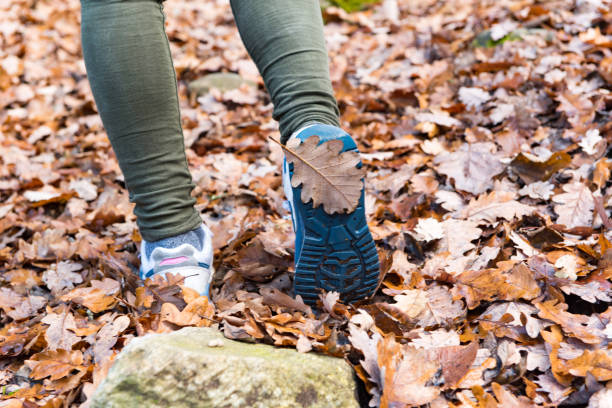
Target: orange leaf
{"points": [[55, 364]]}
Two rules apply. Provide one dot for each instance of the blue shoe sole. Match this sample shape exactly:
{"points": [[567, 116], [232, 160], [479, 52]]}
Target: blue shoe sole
{"points": [[337, 252]]}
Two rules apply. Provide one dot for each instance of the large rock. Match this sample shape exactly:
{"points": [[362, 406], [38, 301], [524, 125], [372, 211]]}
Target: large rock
{"points": [[188, 369], [223, 81]]}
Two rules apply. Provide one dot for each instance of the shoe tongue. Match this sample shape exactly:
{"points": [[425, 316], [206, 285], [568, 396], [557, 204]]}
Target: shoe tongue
{"points": [[194, 238]]}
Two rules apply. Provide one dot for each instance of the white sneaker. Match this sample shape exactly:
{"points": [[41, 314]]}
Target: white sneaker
{"points": [[185, 260]]}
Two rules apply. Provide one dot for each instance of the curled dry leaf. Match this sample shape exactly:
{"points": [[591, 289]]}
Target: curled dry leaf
{"points": [[433, 307], [531, 169], [327, 177], [97, 298], [55, 364], [572, 324], [506, 283]]}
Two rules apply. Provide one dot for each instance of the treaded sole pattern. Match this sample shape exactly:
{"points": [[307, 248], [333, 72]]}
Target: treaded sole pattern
{"points": [[338, 254]]}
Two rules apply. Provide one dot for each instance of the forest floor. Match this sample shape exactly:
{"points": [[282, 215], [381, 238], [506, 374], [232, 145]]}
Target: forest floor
{"points": [[485, 130]]}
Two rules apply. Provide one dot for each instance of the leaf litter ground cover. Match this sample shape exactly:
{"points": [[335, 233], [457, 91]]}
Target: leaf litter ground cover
{"points": [[485, 131]]}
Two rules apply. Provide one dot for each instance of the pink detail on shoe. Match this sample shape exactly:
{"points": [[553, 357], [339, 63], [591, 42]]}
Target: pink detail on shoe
{"points": [[173, 261]]}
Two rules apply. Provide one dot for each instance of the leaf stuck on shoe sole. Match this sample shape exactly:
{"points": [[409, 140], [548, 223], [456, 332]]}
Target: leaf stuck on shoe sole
{"points": [[328, 177]]}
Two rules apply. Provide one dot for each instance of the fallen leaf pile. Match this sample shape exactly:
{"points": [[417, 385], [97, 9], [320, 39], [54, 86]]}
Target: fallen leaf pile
{"points": [[485, 131]]}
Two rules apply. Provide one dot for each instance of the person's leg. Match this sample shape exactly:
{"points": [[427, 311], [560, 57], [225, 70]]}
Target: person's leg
{"points": [[334, 252], [132, 78], [285, 40]]}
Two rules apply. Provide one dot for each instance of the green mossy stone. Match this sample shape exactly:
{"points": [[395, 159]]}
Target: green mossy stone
{"points": [[223, 81], [181, 370]]}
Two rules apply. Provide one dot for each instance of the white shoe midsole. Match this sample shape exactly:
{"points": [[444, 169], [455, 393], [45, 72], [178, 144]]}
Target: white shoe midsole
{"points": [[196, 277]]}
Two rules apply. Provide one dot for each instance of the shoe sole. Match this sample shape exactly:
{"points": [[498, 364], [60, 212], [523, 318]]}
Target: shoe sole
{"points": [[338, 254]]}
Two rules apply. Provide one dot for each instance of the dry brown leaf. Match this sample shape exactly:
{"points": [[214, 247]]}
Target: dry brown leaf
{"points": [[456, 361], [520, 312], [97, 298], [515, 282], [441, 308], [328, 177], [572, 324], [19, 307], [55, 364], [107, 337], [507, 400], [199, 312], [62, 276], [575, 206], [458, 235], [495, 205], [59, 334], [596, 362], [407, 373], [531, 170], [433, 307], [472, 166]]}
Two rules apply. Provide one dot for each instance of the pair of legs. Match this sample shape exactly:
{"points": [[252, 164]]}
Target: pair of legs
{"points": [[133, 81]]}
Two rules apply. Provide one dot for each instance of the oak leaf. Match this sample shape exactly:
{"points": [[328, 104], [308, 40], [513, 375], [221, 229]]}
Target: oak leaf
{"points": [[575, 206], [596, 362], [458, 235], [59, 334], [428, 229], [435, 339], [572, 324], [107, 337], [555, 391], [496, 204], [328, 177], [507, 400], [97, 298], [519, 312], [591, 292], [472, 166], [368, 345], [62, 276], [55, 364], [19, 307], [407, 374], [434, 306], [515, 282], [198, 312], [541, 190]]}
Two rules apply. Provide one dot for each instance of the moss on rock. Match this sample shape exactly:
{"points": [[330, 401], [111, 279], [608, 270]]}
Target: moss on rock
{"points": [[181, 370]]}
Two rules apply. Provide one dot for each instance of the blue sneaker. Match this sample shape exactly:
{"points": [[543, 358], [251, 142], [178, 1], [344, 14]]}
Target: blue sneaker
{"points": [[192, 262], [332, 252]]}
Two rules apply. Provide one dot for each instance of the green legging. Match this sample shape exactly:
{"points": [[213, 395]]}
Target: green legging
{"points": [[133, 81]]}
